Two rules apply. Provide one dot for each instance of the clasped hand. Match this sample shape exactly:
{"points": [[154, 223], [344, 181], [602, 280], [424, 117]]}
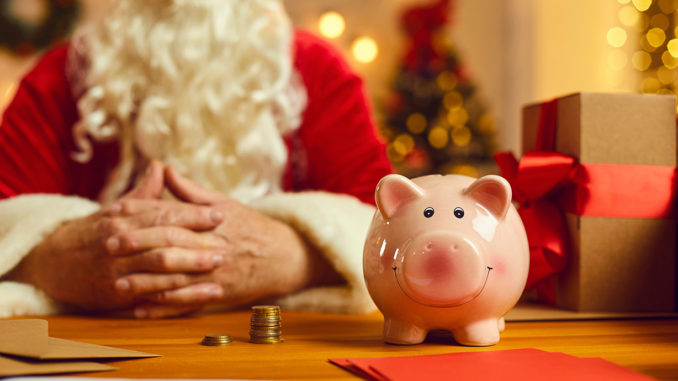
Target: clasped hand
{"points": [[164, 258]]}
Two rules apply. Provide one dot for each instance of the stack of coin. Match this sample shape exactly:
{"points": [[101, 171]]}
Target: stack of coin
{"points": [[215, 339], [265, 325]]}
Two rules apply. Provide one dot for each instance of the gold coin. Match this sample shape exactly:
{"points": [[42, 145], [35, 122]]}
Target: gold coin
{"points": [[216, 339]]}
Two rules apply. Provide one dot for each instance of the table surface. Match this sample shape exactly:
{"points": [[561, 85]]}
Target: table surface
{"points": [[649, 346]]}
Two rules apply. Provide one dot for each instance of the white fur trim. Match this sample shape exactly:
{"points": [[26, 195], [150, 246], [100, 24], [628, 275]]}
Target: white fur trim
{"points": [[336, 225], [24, 222]]}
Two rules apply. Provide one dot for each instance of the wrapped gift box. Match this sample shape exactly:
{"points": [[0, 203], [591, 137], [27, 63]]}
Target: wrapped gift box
{"points": [[616, 264]]}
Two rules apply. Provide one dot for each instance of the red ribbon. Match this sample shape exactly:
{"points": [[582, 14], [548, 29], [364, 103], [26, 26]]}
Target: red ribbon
{"points": [[546, 183]]}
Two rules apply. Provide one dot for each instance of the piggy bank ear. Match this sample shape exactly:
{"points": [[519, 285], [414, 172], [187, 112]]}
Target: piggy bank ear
{"points": [[493, 193], [393, 191]]}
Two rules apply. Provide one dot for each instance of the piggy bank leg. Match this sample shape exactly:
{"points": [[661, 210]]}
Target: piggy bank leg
{"points": [[479, 333], [501, 324], [399, 332]]}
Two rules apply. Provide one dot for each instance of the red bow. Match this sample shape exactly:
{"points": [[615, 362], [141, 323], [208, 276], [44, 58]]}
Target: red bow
{"points": [[534, 182]]}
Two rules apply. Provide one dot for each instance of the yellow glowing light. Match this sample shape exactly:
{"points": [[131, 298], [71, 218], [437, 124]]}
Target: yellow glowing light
{"points": [[642, 5], [331, 24], [437, 137], [628, 15], [416, 123], [446, 81], [393, 154], [650, 85], [669, 61], [645, 45], [616, 59], [464, 169], [403, 144], [365, 49], [453, 99], [616, 37], [672, 47], [623, 1], [457, 116], [666, 75], [641, 60], [461, 136], [660, 21], [655, 37]]}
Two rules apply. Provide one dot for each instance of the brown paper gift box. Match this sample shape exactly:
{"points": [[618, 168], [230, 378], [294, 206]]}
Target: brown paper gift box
{"points": [[616, 264]]}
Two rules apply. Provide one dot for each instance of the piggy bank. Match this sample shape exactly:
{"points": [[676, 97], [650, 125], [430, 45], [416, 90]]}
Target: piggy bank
{"points": [[445, 253]]}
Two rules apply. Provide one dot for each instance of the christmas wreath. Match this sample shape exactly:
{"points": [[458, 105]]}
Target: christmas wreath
{"points": [[27, 26]]}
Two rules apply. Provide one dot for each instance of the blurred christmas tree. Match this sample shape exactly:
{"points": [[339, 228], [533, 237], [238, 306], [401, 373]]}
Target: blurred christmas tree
{"points": [[27, 26], [434, 119]]}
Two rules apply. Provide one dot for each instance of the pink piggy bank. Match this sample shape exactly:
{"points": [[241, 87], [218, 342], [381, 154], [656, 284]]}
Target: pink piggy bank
{"points": [[445, 253]]}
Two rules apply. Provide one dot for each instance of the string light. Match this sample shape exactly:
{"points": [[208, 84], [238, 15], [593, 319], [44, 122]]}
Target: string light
{"points": [[437, 137], [331, 24], [365, 49], [461, 136], [416, 123]]}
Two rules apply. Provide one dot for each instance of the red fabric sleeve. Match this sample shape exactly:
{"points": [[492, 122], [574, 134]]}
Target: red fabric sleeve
{"points": [[336, 149], [36, 139]]}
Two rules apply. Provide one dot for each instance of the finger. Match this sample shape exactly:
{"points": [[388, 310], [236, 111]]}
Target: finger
{"points": [[161, 236], [171, 259], [144, 283], [200, 293], [147, 213], [186, 190], [155, 311], [151, 185]]}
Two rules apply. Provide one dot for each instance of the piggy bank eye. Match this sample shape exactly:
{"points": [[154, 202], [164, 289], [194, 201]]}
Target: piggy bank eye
{"points": [[458, 212], [428, 212]]}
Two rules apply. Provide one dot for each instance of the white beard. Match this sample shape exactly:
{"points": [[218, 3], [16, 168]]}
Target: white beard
{"points": [[204, 85]]}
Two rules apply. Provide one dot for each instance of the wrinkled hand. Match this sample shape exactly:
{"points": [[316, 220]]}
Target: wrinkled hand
{"points": [[120, 255], [263, 257]]}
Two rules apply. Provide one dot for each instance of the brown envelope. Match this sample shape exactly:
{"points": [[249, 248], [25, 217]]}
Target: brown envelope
{"points": [[28, 339]]}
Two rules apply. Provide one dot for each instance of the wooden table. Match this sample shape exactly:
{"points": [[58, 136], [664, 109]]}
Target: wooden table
{"points": [[648, 346]]}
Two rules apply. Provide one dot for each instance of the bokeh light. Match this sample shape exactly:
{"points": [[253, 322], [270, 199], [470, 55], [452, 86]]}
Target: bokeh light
{"points": [[416, 123], [672, 47], [669, 60], [365, 49], [453, 99], [464, 169], [331, 24], [446, 80], [457, 116], [641, 60], [628, 15], [437, 137], [403, 144], [616, 37], [655, 37], [461, 136], [642, 5], [650, 85]]}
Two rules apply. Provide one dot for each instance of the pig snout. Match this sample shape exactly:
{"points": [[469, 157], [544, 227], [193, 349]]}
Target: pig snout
{"points": [[441, 269]]}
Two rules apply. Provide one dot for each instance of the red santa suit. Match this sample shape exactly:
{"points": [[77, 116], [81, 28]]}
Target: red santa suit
{"points": [[335, 161]]}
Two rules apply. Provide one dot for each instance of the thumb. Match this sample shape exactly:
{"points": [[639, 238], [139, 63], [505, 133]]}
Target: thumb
{"points": [[188, 191], [151, 185]]}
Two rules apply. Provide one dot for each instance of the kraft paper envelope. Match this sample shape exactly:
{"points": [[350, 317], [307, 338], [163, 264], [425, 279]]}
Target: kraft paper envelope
{"points": [[13, 367], [29, 339]]}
